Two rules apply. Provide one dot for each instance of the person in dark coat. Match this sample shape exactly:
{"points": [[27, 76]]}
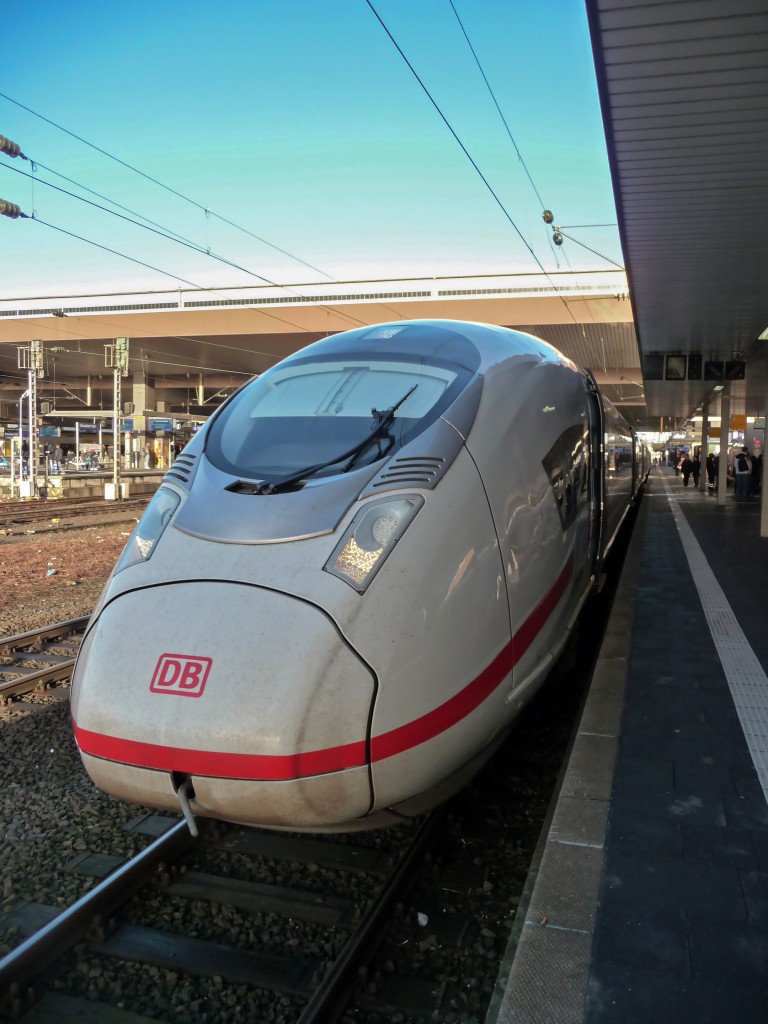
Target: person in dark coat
{"points": [[695, 470], [756, 477], [712, 471], [686, 468]]}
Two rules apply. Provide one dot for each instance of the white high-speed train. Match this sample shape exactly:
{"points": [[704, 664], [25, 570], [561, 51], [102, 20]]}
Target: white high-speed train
{"points": [[353, 579]]}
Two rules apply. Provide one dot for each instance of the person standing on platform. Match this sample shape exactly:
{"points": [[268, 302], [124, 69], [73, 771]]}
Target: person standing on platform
{"points": [[712, 472], [756, 477], [695, 470], [742, 473], [686, 468]]}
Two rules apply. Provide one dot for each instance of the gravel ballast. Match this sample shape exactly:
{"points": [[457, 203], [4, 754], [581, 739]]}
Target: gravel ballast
{"points": [[49, 809], [57, 576]]}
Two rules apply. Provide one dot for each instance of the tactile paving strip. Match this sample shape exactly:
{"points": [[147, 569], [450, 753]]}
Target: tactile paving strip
{"points": [[746, 679]]}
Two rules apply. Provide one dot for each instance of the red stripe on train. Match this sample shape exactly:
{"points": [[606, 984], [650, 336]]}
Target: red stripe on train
{"points": [[284, 767]]}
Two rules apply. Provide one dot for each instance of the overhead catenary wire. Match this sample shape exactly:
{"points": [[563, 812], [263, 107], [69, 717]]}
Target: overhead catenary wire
{"points": [[176, 277], [522, 161], [496, 104], [596, 253], [173, 237], [184, 280], [203, 342], [468, 155], [168, 232], [157, 229], [205, 209], [506, 126], [113, 202]]}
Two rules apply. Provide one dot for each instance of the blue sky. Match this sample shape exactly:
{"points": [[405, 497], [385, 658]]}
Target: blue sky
{"points": [[299, 121]]}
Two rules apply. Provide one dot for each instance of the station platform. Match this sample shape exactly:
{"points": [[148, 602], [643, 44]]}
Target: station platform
{"points": [[650, 899], [91, 484]]}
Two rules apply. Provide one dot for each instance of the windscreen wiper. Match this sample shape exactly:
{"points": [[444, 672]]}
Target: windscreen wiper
{"points": [[382, 419]]}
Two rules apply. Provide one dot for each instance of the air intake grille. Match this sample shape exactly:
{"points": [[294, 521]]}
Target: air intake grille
{"points": [[410, 471], [182, 470]]}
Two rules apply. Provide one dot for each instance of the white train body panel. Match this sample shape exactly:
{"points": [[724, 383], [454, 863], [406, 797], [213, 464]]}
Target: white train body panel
{"points": [[241, 649], [540, 494]]}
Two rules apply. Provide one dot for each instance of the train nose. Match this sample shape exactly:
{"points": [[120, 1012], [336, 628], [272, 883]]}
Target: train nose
{"points": [[269, 731]]}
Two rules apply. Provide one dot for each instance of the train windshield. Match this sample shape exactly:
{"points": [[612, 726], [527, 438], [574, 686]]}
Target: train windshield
{"points": [[316, 415]]}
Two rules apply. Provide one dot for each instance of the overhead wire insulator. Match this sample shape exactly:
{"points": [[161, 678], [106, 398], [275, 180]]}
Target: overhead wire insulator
{"points": [[557, 238], [10, 148], [548, 216], [10, 209]]}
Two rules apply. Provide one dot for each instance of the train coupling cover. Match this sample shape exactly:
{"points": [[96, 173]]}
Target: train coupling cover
{"points": [[185, 791]]}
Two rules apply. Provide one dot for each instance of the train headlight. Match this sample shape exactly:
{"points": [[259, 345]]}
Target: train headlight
{"points": [[369, 539], [149, 528]]}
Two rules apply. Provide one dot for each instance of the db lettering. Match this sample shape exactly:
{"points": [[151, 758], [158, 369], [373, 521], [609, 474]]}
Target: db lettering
{"points": [[180, 674]]}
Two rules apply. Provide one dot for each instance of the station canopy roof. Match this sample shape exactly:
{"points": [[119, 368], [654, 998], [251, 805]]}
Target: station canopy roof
{"points": [[190, 349], [684, 93]]}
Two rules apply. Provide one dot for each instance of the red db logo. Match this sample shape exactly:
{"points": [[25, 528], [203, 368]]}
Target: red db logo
{"points": [[180, 674]]}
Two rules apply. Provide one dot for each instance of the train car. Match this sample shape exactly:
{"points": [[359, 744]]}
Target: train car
{"points": [[353, 579]]}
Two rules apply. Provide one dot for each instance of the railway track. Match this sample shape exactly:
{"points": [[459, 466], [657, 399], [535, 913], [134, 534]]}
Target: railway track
{"points": [[37, 659], [332, 935], [62, 514]]}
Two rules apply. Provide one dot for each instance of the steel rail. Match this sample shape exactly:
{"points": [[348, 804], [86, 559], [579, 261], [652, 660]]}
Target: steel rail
{"points": [[56, 629], [330, 999], [31, 680], [21, 965], [27, 680]]}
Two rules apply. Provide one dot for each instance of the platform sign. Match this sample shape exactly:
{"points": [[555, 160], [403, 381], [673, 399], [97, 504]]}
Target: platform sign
{"points": [[11, 431], [88, 428], [676, 365], [156, 424], [49, 431], [126, 427]]}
